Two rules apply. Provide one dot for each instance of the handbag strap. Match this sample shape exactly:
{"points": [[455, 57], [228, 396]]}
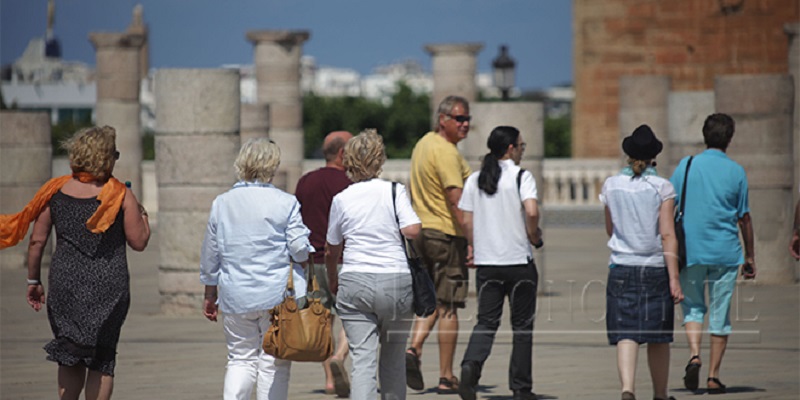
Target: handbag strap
{"points": [[396, 218], [683, 190], [309, 273]]}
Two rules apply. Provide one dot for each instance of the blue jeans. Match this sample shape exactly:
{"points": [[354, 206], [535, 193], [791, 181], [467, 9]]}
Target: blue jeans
{"points": [[376, 309], [639, 305]]}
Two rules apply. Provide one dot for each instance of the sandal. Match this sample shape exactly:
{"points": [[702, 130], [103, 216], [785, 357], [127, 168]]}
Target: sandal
{"points": [[450, 385], [341, 383], [716, 390], [626, 395], [692, 378], [413, 373]]}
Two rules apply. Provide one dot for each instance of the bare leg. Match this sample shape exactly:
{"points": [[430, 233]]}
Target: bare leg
{"points": [[70, 381], [340, 353], [694, 334], [99, 386], [342, 347], [422, 328], [718, 346], [627, 354], [448, 337], [658, 361]]}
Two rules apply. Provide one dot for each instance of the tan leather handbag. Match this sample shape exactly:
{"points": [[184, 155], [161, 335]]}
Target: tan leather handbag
{"points": [[300, 334]]}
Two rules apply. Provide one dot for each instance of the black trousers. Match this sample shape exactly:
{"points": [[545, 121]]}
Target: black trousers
{"points": [[494, 283]]}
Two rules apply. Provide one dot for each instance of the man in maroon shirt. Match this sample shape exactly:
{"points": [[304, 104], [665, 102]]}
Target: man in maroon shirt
{"points": [[315, 191]]}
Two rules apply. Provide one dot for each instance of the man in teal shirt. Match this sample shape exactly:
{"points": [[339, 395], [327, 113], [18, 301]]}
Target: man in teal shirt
{"points": [[716, 210]]}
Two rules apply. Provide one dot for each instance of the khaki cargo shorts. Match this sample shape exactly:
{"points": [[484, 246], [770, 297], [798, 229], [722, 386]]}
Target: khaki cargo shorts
{"points": [[445, 257]]}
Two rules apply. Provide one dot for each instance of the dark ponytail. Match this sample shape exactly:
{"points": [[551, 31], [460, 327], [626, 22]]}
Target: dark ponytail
{"points": [[499, 140]]}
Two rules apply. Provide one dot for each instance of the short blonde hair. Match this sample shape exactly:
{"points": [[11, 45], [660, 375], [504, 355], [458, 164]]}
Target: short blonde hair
{"points": [[258, 160], [364, 156], [92, 150]]}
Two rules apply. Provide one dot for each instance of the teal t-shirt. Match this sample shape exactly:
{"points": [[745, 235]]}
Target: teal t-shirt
{"points": [[716, 198]]}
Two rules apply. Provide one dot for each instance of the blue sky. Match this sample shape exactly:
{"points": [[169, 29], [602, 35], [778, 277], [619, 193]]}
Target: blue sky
{"points": [[358, 34]]}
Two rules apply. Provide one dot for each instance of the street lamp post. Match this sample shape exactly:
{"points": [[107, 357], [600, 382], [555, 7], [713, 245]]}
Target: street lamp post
{"points": [[503, 67]]}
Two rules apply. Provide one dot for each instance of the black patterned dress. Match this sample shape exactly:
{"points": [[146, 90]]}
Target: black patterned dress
{"points": [[89, 287]]}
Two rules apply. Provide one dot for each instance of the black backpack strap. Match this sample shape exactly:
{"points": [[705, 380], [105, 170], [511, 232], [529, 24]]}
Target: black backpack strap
{"points": [[519, 181], [683, 190]]}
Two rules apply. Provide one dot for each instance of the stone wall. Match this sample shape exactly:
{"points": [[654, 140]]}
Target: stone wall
{"points": [[689, 41]]}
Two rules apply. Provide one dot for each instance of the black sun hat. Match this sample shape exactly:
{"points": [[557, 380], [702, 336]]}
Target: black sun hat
{"points": [[642, 144]]}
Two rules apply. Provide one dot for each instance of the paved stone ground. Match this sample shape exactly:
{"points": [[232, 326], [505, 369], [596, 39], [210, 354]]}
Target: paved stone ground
{"points": [[167, 357]]}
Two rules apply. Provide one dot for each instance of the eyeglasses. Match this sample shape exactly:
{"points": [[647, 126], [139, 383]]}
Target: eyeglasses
{"points": [[523, 145], [460, 118], [116, 154]]}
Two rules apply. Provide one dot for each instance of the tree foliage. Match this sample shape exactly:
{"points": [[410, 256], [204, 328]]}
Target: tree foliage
{"points": [[558, 137], [401, 122]]}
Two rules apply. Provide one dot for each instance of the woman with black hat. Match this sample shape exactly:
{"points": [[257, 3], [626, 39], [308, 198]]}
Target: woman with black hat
{"points": [[643, 282]]}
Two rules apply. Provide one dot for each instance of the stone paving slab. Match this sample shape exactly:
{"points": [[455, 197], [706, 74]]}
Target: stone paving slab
{"points": [[170, 357]]}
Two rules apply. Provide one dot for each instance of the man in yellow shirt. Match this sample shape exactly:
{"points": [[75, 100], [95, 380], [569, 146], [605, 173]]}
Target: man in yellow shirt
{"points": [[438, 172]]}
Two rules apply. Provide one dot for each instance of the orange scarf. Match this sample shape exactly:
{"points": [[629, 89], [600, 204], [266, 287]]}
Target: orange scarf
{"points": [[13, 227]]}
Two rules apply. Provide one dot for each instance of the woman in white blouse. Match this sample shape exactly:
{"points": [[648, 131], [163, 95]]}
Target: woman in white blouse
{"points": [[254, 232], [643, 282], [374, 295]]}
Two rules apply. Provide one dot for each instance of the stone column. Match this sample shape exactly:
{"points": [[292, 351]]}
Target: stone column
{"points": [[118, 105], [454, 67], [793, 30], [643, 100], [25, 163], [197, 140], [254, 121], [686, 113], [762, 107], [277, 64], [528, 117]]}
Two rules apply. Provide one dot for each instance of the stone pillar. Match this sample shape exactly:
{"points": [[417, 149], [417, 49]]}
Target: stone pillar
{"points": [[197, 140], [277, 64], [686, 113], [643, 100], [793, 30], [528, 117], [25, 163], [118, 105], [762, 107], [254, 121], [454, 67]]}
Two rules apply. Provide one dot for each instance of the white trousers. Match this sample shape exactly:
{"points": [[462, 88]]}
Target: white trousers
{"points": [[247, 362]]}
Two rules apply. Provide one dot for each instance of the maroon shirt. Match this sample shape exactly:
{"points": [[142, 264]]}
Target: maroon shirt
{"points": [[315, 191]]}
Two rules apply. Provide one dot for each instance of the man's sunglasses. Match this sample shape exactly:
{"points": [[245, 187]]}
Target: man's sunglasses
{"points": [[460, 118]]}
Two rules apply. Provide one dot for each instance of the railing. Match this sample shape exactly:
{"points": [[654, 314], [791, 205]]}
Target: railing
{"points": [[565, 183]]}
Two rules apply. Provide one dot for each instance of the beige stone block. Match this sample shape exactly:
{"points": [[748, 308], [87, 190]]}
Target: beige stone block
{"points": [[117, 63], [686, 113], [174, 282], [760, 146], [189, 198], [284, 37], [526, 116], [119, 89], [24, 128], [278, 92], [754, 94], [290, 142], [24, 165], [772, 215], [181, 304], [254, 118], [181, 236], [197, 101], [196, 160], [286, 116]]}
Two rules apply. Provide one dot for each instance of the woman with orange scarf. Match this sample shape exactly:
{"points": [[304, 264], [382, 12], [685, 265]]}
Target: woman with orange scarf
{"points": [[94, 216]]}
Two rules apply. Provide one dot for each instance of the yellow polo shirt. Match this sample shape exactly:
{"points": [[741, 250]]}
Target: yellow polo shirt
{"points": [[436, 165]]}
